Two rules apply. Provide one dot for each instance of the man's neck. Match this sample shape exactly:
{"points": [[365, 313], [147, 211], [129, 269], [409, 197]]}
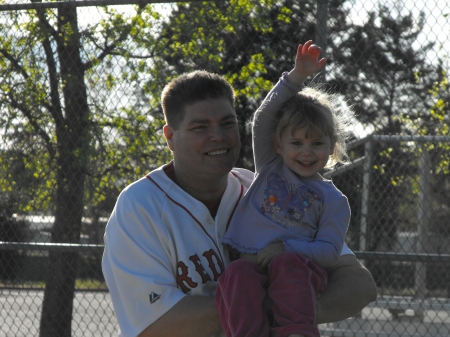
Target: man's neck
{"points": [[204, 189]]}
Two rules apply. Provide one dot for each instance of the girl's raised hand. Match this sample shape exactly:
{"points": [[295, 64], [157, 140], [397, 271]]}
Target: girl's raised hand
{"points": [[307, 59], [306, 62]]}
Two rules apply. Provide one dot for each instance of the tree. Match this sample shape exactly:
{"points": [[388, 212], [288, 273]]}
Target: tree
{"points": [[381, 73], [77, 145]]}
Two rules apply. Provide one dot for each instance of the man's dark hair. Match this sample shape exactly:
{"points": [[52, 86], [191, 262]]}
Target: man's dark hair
{"points": [[191, 88]]}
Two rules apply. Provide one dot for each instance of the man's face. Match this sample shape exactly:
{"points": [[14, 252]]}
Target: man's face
{"points": [[206, 143]]}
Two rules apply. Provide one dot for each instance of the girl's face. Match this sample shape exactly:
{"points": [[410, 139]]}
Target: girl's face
{"points": [[305, 155]]}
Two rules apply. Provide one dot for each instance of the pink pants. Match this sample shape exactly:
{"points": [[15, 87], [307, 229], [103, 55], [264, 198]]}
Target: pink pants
{"points": [[291, 280]]}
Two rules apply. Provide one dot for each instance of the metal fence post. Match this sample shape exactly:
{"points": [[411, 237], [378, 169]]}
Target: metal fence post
{"points": [[422, 225], [321, 33], [365, 195]]}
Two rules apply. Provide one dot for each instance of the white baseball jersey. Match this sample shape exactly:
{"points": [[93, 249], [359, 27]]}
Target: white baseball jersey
{"points": [[161, 244]]}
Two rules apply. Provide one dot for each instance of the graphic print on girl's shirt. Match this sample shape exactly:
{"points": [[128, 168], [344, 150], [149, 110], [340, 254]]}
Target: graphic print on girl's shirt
{"points": [[286, 203]]}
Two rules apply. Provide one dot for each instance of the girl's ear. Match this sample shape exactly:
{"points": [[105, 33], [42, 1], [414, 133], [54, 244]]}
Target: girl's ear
{"points": [[277, 145], [333, 145]]}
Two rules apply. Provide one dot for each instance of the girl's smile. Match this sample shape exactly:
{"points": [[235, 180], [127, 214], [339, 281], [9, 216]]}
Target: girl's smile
{"points": [[305, 152]]}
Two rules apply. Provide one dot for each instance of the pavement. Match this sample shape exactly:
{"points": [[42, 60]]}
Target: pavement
{"points": [[20, 312]]}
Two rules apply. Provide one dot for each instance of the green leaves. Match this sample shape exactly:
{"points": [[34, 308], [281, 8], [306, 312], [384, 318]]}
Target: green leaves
{"points": [[439, 114], [124, 143]]}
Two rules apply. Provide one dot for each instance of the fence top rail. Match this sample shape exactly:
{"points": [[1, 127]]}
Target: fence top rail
{"points": [[60, 247], [397, 138], [411, 257], [73, 248], [416, 138], [83, 3]]}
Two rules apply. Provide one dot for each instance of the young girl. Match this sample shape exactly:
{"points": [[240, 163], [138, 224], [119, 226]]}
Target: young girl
{"points": [[292, 222]]}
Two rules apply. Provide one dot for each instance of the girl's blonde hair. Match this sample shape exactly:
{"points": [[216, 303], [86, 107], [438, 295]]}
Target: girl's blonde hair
{"points": [[323, 113]]}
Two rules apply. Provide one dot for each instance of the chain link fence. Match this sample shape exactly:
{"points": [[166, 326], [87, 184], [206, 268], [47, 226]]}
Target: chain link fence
{"points": [[80, 119]]}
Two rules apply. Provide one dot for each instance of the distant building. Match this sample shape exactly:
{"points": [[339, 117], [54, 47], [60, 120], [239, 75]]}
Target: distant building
{"points": [[39, 229]]}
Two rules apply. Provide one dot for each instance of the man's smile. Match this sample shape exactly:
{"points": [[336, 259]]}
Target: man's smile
{"points": [[216, 153]]}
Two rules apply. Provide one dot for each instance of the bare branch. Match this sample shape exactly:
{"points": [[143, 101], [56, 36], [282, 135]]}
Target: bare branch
{"points": [[55, 107], [45, 25], [142, 57], [33, 121], [109, 49], [14, 62]]}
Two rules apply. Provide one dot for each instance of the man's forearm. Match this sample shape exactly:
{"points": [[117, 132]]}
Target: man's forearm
{"points": [[350, 288], [193, 316]]}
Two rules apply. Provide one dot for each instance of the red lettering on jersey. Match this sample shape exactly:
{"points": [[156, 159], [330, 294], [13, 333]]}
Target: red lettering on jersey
{"points": [[199, 268], [209, 256], [184, 278]]}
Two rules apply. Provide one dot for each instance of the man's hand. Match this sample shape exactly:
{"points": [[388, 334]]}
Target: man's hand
{"points": [[266, 254], [306, 63]]}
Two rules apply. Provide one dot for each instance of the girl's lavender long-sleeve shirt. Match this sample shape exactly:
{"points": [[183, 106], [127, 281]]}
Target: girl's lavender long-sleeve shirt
{"points": [[309, 216]]}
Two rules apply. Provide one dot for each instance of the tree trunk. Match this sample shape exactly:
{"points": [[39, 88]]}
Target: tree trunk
{"points": [[73, 145]]}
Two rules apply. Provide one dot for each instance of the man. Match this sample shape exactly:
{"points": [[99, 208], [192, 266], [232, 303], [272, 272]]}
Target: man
{"points": [[163, 251]]}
